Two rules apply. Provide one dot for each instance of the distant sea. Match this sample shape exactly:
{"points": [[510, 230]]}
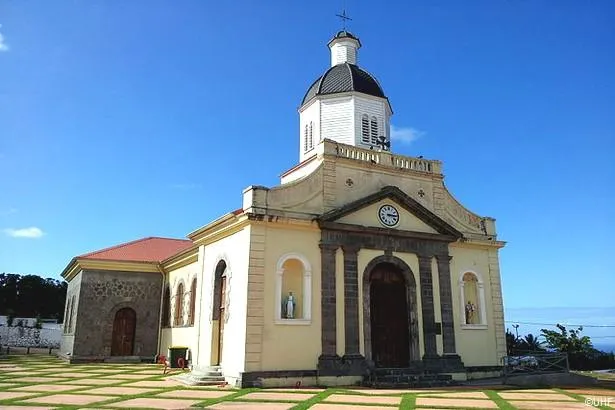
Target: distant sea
{"points": [[598, 323]]}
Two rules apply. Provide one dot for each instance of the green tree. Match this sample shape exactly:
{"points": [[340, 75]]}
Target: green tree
{"points": [[579, 348]]}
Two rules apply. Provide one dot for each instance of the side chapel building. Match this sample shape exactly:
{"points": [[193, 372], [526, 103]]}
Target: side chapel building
{"points": [[359, 259]]}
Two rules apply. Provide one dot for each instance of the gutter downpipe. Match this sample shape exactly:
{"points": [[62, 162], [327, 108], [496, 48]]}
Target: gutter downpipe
{"points": [[161, 309]]}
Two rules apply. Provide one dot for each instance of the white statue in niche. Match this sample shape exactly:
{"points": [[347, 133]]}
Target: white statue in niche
{"points": [[289, 306]]}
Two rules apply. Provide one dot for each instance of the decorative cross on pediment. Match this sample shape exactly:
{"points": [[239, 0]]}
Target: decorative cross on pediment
{"points": [[383, 143]]}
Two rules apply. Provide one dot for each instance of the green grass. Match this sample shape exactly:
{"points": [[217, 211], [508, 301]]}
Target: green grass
{"points": [[36, 364]]}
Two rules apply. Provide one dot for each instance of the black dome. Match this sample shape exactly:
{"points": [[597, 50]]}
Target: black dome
{"points": [[342, 78]]}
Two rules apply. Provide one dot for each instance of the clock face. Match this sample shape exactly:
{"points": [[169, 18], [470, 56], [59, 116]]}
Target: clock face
{"points": [[388, 215]]}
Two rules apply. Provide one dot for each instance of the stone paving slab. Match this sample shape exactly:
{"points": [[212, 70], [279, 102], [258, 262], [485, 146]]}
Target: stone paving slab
{"points": [[389, 392], [543, 405], [36, 379], [72, 374], [349, 398], [529, 391], [6, 395], [47, 388], [26, 408], [7, 385], [239, 405], [195, 394], [12, 368], [155, 403], [154, 383], [536, 396], [126, 376], [118, 390], [463, 403], [104, 371], [90, 382], [593, 392], [331, 406], [63, 399], [19, 373], [150, 371], [300, 390], [460, 395], [277, 396]]}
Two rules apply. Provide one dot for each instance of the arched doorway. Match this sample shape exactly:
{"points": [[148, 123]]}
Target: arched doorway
{"points": [[123, 337], [218, 313], [390, 325]]}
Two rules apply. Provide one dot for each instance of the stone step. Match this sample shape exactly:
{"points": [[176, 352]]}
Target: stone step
{"points": [[202, 376]]}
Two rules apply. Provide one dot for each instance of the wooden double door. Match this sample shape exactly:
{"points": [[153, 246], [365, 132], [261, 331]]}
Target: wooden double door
{"points": [[389, 318], [123, 338]]}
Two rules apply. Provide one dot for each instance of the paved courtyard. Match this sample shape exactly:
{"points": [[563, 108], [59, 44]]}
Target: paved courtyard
{"points": [[45, 382]]}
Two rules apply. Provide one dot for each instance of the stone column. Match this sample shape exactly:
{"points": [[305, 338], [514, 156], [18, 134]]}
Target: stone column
{"points": [[328, 357], [446, 304], [427, 308], [351, 302]]}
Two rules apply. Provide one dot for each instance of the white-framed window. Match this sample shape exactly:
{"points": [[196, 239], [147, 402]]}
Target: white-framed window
{"points": [[374, 130], [293, 301], [365, 129], [472, 298]]}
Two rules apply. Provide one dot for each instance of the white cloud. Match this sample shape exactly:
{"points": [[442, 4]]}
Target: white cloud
{"points": [[405, 135], [3, 45], [32, 232]]}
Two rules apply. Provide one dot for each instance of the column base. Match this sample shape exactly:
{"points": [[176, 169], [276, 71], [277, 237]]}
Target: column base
{"points": [[348, 365], [448, 363]]}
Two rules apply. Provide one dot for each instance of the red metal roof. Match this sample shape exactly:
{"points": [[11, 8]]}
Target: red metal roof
{"points": [[150, 249]]}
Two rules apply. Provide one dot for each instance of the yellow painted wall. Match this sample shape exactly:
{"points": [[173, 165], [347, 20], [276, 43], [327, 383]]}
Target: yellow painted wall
{"points": [[285, 345], [476, 345], [368, 216], [184, 335]]}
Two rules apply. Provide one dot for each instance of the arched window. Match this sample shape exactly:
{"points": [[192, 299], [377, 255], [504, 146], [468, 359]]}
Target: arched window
{"points": [[311, 137], [374, 130], [192, 303], [166, 307], [365, 129], [179, 305], [293, 290], [305, 138], [472, 297]]}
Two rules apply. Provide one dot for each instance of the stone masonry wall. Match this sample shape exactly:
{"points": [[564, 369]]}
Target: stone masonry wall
{"points": [[102, 294]]}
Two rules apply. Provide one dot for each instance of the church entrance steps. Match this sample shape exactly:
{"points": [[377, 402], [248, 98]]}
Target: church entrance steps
{"points": [[394, 378], [202, 376]]}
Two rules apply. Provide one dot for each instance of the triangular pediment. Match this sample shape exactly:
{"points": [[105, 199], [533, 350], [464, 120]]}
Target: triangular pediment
{"points": [[407, 215]]}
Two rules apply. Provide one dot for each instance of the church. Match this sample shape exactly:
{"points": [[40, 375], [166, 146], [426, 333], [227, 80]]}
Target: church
{"points": [[359, 260]]}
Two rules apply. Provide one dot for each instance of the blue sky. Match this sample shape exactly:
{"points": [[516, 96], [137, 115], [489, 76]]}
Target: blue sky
{"points": [[120, 120]]}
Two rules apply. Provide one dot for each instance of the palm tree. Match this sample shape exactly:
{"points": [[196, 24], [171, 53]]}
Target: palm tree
{"points": [[531, 343]]}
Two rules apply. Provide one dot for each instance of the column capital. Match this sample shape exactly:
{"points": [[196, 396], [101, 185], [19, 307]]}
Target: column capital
{"points": [[424, 257], [444, 258], [328, 246], [351, 249]]}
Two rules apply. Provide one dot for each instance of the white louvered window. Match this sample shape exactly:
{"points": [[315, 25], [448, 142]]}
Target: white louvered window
{"points": [[374, 130], [305, 138], [311, 137], [365, 129]]}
